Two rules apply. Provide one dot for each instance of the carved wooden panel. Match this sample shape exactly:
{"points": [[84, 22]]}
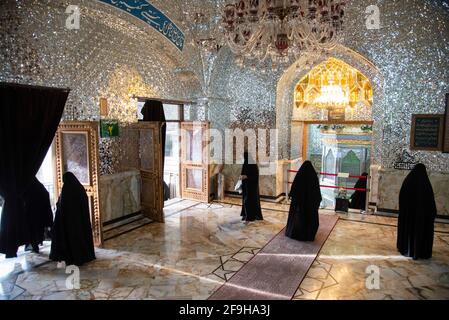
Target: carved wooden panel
{"points": [[77, 151], [148, 140], [128, 158], [194, 161]]}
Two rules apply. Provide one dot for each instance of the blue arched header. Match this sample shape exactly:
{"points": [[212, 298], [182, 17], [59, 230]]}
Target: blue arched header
{"points": [[146, 12]]}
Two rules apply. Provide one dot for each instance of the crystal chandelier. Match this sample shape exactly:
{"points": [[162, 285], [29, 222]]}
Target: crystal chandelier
{"points": [[281, 30], [332, 96], [203, 23]]}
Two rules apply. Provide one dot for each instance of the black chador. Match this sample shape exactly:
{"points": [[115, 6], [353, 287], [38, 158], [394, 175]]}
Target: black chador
{"points": [[72, 239], [38, 213], [358, 199], [303, 218], [251, 209], [153, 111], [417, 213]]}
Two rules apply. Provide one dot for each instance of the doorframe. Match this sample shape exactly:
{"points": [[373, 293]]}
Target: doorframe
{"points": [[90, 128], [305, 139], [157, 173], [193, 194], [181, 104]]}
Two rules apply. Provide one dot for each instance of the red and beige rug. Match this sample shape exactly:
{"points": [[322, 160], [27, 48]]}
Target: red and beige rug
{"points": [[277, 271]]}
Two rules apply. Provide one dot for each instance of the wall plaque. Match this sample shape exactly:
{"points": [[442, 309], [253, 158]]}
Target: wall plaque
{"points": [[427, 132], [104, 110], [446, 127], [109, 128], [337, 114]]}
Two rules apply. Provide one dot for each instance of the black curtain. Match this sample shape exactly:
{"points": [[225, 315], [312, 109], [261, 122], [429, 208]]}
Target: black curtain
{"points": [[38, 213], [29, 118], [153, 110]]}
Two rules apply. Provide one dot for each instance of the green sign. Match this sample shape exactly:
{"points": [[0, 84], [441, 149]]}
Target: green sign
{"points": [[109, 128]]}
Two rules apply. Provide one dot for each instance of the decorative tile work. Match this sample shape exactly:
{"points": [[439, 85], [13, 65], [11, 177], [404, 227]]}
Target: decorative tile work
{"points": [[112, 56], [318, 278], [340, 272], [152, 16], [407, 66], [200, 247], [230, 264], [116, 56], [175, 260]]}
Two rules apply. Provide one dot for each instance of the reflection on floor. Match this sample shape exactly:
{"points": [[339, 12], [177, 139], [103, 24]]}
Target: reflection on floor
{"points": [[124, 226], [202, 245], [354, 249]]}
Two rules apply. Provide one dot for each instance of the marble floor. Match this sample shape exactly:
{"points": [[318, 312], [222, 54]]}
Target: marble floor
{"points": [[202, 245]]}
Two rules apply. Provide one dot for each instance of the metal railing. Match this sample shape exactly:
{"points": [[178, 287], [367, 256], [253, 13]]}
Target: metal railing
{"points": [[339, 175]]}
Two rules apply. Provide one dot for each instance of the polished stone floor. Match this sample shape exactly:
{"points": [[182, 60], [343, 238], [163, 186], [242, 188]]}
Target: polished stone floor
{"points": [[202, 245]]}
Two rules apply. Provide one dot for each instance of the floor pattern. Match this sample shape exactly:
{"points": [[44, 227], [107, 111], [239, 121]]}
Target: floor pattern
{"points": [[231, 264], [318, 278], [278, 269], [201, 245]]}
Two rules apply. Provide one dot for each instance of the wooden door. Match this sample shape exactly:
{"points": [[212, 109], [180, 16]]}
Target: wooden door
{"points": [[77, 152], [194, 161], [150, 166]]}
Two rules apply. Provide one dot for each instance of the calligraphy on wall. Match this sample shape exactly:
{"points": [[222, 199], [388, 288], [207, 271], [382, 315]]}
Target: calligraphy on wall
{"points": [[152, 16], [109, 128], [427, 132]]}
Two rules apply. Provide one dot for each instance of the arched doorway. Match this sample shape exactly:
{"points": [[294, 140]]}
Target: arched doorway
{"points": [[311, 128]]}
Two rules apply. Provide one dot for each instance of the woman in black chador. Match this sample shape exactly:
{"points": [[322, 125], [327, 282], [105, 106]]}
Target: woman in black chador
{"points": [[358, 199], [303, 218], [39, 214], [417, 213], [153, 111], [251, 209], [72, 239]]}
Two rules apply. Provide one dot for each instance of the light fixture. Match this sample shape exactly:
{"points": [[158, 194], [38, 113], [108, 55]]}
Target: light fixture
{"points": [[334, 84], [332, 96], [281, 30], [203, 22]]}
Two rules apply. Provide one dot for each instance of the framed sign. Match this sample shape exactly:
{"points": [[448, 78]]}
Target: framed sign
{"points": [[337, 114], [427, 132], [75, 155], [104, 110], [109, 128], [77, 151], [446, 127]]}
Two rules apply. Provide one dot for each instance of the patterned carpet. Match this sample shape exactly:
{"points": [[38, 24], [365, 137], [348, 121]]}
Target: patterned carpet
{"points": [[276, 272]]}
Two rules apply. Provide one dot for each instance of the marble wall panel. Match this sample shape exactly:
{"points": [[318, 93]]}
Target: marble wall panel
{"points": [[390, 182], [119, 195]]}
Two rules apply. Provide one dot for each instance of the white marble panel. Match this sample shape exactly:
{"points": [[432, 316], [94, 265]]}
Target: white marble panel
{"points": [[390, 182], [119, 195]]}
